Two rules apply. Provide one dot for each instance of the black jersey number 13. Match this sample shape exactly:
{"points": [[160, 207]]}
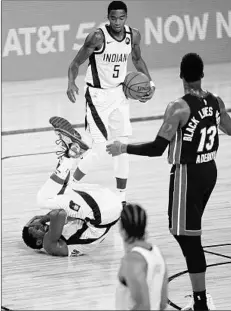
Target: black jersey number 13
{"points": [[116, 71]]}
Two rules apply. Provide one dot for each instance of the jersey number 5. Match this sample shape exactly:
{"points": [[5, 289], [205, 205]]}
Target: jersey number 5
{"points": [[209, 133], [116, 71]]}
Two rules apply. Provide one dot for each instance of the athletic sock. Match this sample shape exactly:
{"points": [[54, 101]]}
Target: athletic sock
{"points": [[62, 170], [200, 300], [121, 194]]}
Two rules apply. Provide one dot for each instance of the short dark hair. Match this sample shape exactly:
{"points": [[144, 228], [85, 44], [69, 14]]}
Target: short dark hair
{"points": [[29, 239], [133, 221], [117, 5], [192, 67]]}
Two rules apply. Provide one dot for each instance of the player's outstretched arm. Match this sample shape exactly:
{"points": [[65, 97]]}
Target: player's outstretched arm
{"points": [[225, 120], [175, 115], [52, 242], [135, 274], [94, 40], [140, 64]]}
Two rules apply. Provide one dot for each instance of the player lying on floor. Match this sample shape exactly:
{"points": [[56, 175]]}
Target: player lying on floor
{"points": [[80, 215]]}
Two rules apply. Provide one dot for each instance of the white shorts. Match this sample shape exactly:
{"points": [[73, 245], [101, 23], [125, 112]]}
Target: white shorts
{"points": [[107, 113]]}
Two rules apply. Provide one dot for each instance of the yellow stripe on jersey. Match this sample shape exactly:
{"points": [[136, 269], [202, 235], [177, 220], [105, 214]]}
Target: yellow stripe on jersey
{"points": [[175, 148], [179, 200]]}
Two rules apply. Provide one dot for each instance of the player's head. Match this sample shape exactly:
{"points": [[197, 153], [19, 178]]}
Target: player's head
{"points": [[33, 233], [133, 223], [191, 68], [117, 15]]}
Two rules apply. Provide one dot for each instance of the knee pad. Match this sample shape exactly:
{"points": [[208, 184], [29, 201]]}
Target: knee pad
{"points": [[121, 162], [193, 252]]}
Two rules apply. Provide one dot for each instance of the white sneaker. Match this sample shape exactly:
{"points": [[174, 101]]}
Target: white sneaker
{"points": [[190, 304], [210, 303]]}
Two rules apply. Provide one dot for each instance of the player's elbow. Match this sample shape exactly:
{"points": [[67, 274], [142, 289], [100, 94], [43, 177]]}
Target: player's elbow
{"points": [[136, 60], [159, 153], [159, 146]]}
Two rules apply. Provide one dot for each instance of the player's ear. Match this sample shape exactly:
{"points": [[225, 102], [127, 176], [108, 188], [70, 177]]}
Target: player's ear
{"points": [[202, 76]]}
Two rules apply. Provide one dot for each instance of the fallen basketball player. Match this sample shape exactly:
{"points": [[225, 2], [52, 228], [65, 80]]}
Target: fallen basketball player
{"points": [[79, 215]]}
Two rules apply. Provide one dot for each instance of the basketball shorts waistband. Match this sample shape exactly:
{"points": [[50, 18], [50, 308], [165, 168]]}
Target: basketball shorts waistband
{"points": [[96, 87]]}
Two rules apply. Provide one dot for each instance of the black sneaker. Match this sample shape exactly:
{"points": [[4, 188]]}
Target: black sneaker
{"points": [[69, 140]]}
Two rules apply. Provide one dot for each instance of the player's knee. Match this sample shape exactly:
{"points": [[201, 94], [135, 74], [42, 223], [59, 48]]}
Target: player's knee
{"points": [[196, 262], [93, 157], [193, 252], [41, 198]]}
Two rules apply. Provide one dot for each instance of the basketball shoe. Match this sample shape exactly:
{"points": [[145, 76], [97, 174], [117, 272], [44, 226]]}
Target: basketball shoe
{"points": [[210, 303], [70, 141]]}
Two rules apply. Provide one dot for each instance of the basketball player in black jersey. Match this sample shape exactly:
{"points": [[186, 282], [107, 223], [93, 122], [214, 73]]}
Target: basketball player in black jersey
{"points": [[190, 129], [107, 110]]}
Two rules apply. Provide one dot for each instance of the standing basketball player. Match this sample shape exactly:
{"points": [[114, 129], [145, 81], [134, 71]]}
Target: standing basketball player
{"points": [[107, 111], [142, 275], [80, 216], [190, 128]]}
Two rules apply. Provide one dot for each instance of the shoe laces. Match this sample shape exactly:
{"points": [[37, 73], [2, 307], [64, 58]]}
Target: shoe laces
{"points": [[61, 143]]}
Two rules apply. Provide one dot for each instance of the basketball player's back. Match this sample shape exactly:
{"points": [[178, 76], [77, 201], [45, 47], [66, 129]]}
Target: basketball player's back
{"points": [[156, 278]]}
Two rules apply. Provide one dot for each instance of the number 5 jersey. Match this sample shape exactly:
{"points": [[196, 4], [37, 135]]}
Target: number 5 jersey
{"points": [[108, 66]]}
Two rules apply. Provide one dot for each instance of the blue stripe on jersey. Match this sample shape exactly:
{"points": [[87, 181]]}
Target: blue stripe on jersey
{"points": [[95, 114], [94, 71]]}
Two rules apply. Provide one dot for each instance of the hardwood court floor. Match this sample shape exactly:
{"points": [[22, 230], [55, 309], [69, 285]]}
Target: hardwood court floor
{"points": [[32, 281], [35, 281]]}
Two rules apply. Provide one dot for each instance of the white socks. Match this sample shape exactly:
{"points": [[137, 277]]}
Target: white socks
{"points": [[121, 194], [64, 167]]}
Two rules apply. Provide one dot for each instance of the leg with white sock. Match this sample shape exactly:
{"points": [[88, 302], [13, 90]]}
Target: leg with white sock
{"points": [[55, 183], [121, 171], [92, 158]]}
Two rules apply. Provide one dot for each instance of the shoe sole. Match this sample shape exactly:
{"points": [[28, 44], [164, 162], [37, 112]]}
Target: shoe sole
{"points": [[64, 127]]}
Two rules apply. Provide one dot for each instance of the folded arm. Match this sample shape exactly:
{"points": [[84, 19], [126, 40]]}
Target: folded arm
{"points": [[52, 242]]}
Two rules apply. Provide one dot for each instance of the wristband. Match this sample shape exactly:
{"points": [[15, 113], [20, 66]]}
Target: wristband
{"points": [[123, 148]]}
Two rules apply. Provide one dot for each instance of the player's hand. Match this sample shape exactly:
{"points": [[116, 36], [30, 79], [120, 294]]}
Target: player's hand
{"points": [[71, 90], [148, 96], [116, 148]]}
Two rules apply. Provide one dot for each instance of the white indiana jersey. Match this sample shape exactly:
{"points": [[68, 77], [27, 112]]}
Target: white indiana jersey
{"points": [[156, 274], [108, 66], [108, 203]]}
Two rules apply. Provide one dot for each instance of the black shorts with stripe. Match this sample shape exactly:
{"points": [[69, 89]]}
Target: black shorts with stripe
{"points": [[189, 190]]}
